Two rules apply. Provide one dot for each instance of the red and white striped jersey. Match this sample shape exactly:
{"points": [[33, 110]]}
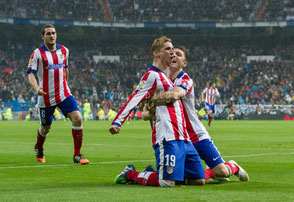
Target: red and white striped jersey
{"points": [[210, 94], [50, 66], [195, 128], [169, 121]]}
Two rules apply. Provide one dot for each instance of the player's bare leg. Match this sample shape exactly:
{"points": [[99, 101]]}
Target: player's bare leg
{"points": [[77, 133]]}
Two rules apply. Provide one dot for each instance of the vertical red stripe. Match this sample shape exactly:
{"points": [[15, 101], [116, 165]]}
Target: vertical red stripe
{"points": [[173, 118], [45, 77], [66, 91], [56, 79]]}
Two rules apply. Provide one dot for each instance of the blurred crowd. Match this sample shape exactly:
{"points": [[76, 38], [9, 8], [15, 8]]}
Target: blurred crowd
{"points": [[149, 10], [183, 11], [109, 83], [52, 10]]}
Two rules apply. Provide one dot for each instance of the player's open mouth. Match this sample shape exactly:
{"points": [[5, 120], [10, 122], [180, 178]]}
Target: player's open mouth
{"points": [[173, 60]]}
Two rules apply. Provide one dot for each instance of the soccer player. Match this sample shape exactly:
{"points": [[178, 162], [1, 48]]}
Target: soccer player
{"points": [[175, 155], [210, 93], [50, 63], [199, 136]]}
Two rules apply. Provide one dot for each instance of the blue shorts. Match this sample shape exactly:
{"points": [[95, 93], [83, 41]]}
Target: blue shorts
{"points": [[68, 105], [210, 107], [176, 159], [208, 152]]}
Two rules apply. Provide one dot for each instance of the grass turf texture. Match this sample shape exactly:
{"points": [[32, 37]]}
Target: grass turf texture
{"points": [[264, 148]]}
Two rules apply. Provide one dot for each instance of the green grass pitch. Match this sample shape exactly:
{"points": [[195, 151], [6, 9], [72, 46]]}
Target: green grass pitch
{"points": [[265, 149]]}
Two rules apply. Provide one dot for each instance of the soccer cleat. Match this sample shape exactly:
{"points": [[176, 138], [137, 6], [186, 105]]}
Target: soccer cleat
{"points": [[242, 174], [39, 154], [149, 168], [122, 177], [79, 159]]}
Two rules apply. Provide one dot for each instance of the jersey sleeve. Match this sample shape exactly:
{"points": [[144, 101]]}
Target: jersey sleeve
{"points": [[67, 55], [186, 83], [33, 63], [217, 92], [204, 91], [146, 86]]}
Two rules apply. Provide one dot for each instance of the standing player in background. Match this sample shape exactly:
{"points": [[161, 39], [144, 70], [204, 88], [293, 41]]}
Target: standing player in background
{"points": [[175, 155], [210, 93], [50, 63], [199, 136]]}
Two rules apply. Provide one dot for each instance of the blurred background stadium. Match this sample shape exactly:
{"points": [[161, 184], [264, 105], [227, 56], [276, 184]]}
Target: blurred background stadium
{"points": [[245, 46]]}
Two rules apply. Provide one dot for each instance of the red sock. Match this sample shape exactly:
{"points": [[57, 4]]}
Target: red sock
{"points": [[78, 140], [208, 174], [40, 140], [209, 119], [144, 178], [233, 167]]}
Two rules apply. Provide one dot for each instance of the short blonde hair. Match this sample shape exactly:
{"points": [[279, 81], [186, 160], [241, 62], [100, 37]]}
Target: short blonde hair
{"points": [[158, 43]]}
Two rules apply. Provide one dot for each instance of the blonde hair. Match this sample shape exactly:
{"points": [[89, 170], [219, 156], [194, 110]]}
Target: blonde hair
{"points": [[158, 43]]}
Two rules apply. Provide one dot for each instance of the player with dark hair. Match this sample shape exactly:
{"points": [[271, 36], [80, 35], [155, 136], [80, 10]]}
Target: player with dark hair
{"points": [[210, 93], [175, 155], [199, 136], [50, 63]]}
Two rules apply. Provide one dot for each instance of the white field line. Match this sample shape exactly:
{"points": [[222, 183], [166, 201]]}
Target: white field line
{"points": [[132, 161]]}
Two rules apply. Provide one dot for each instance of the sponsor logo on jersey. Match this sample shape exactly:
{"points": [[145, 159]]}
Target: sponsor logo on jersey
{"points": [[55, 66]]}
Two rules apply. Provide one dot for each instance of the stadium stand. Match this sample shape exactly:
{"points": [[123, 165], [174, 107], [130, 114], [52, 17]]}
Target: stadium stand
{"points": [[219, 55], [150, 11]]}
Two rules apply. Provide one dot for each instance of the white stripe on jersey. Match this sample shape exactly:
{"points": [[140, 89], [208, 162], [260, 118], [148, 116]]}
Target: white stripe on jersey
{"points": [[195, 128]]}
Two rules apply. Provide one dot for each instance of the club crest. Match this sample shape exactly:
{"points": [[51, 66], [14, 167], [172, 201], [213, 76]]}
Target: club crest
{"points": [[169, 169]]}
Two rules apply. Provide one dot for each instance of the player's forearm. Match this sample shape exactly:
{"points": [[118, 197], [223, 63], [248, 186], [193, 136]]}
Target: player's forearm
{"points": [[166, 97], [33, 82], [202, 96], [66, 74]]}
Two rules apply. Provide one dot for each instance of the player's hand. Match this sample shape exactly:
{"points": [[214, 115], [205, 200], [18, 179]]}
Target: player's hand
{"points": [[114, 129], [40, 91]]}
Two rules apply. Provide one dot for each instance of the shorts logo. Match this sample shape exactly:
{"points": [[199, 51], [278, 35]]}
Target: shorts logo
{"points": [[214, 159], [169, 169]]}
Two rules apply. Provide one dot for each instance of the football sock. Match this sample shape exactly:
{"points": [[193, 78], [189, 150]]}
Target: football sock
{"points": [[209, 119], [40, 139], [208, 174], [143, 178], [234, 168], [77, 133]]}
